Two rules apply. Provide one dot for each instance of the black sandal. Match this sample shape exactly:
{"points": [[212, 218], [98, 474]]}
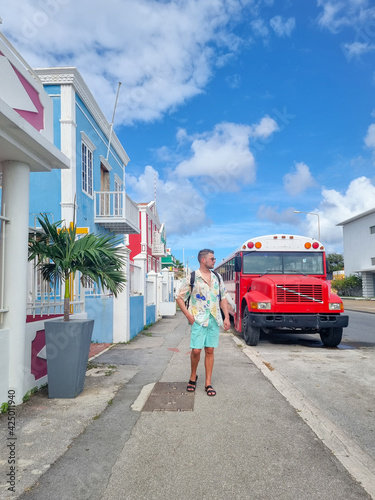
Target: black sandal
{"points": [[191, 385], [210, 390]]}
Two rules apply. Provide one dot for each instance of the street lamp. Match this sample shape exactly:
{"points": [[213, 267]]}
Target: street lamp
{"points": [[310, 213]]}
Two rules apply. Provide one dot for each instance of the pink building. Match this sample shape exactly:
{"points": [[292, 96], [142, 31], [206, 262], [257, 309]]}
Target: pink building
{"points": [[150, 244]]}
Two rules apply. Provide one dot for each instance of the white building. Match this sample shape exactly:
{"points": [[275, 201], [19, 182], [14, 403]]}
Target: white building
{"points": [[359, 249], [26, 146]]}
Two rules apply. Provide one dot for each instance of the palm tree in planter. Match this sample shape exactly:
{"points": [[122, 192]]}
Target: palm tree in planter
{"points": [[59, 254]]}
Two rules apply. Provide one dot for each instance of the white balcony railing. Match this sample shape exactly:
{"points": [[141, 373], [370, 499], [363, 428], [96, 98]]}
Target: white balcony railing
{"points": [[159, 250], [116, 211]]}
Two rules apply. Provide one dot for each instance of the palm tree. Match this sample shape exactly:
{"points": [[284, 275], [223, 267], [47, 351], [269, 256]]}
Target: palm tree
{"points": [[59, 254]]}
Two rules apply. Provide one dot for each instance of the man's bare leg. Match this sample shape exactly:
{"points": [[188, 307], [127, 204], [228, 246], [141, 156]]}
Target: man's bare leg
{"points": [[195, 356], [209, 363]]}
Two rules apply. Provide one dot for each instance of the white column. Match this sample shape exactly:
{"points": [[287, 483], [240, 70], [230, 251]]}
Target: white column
{"points": [[121, 309], [15, 205], [68, 147], [141, 260], [159, 291]]}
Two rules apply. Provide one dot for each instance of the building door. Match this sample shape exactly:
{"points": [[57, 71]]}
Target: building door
{"points": [[104, 191]]}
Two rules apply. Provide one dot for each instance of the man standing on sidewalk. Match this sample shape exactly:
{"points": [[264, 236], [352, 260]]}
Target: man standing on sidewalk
{"points": [[207, 296]]}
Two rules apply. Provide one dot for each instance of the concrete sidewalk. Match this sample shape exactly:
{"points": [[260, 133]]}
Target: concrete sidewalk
{"points": [[245, 443], [359, 304]]}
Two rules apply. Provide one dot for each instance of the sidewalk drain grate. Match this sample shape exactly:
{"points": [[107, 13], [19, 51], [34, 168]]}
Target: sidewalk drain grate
{"points": [[170, 396]]}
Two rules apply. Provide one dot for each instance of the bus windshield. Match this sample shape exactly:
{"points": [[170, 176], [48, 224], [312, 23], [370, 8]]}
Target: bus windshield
{"points": [[283, 263]]}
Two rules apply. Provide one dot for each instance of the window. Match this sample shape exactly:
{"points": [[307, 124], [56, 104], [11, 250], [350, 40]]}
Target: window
{"points": [[87, 182], [372, 229], [283, 263], [373, 261]]}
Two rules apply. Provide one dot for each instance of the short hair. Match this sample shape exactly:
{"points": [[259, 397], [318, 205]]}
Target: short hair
{"points": [[203, 253]]}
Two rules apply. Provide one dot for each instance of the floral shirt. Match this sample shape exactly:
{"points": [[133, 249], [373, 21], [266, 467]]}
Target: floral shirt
{"points": [[205, 299]]}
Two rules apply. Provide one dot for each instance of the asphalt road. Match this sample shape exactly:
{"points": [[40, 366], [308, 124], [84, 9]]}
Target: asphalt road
{"points": [[361, 329], [338, 382]]}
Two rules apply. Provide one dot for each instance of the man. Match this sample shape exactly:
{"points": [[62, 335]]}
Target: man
{"points": [[204, 316]]}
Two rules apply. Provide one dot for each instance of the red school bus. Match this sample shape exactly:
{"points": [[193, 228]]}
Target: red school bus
{"points": [[278, 283]]}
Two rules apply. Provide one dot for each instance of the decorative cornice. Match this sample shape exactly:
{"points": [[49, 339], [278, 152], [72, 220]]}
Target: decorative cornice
{"points": [[68, 122]]}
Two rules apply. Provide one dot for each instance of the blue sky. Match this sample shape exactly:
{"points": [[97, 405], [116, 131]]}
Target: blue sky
{"points": [[241, 111]]}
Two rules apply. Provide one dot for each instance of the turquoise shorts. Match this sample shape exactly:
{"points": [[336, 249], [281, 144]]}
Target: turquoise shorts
{"points": [[205, 336]]}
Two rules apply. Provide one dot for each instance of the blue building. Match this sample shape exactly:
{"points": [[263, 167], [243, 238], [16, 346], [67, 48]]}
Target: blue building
{"points": [[92, 192]]}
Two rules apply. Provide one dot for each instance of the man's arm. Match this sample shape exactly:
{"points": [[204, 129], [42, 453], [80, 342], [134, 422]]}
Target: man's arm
{"points": [[224, 308], [182, 306], [224, 303]]}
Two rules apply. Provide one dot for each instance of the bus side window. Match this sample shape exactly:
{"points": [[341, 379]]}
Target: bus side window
{"points": [[237, 264]]}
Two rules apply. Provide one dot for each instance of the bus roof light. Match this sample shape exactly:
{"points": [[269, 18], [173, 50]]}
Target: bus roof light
{"points": [[258, 245], [307, 245], [315, 245], [250, 244]]}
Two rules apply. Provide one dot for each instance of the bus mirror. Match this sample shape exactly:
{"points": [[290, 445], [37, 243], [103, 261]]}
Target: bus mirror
{"points": [[237, 263]]}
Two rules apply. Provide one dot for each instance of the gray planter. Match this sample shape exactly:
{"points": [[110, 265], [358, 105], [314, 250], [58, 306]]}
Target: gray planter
{"points": [[67, 352]]}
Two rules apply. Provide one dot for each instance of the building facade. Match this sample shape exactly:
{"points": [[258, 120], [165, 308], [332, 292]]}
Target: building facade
{"points": [[150, 244], [359, 249]]}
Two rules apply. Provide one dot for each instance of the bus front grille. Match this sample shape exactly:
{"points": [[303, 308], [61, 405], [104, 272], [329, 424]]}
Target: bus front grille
{"points": [[299, 293]]}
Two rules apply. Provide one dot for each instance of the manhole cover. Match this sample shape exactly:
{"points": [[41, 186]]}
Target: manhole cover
{"points": [[170, 396]]}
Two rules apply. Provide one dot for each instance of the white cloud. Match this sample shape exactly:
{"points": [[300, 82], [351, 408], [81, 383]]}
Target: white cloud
{"points": [[179, 204], [300, 179], [223, 155], [357, 49], [222, 160], [233, 81], [126, 40], [282, 27], [286, 216], [259, 28], [370, 136], [337, 207], [338, 14], [265, 128]]}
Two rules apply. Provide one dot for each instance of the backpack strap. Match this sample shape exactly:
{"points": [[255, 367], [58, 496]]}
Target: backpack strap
{"points": [[218, 278], [192, 280]]}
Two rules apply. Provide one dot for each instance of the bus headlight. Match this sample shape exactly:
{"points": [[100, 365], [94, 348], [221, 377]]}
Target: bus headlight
{"points": [[261, 305], [336, 306]]}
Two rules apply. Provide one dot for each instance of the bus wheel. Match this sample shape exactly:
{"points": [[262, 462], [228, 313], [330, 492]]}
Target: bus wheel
{"points": [[331, 337], [249, 332], [244, 325]]}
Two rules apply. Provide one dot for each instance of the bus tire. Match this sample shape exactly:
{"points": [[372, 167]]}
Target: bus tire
{"points": [[331, 337], [244, 324], [250, 333]]}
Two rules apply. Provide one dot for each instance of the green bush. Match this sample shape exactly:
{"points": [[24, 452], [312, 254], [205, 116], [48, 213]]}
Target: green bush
{"points": [[348, 287]]}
